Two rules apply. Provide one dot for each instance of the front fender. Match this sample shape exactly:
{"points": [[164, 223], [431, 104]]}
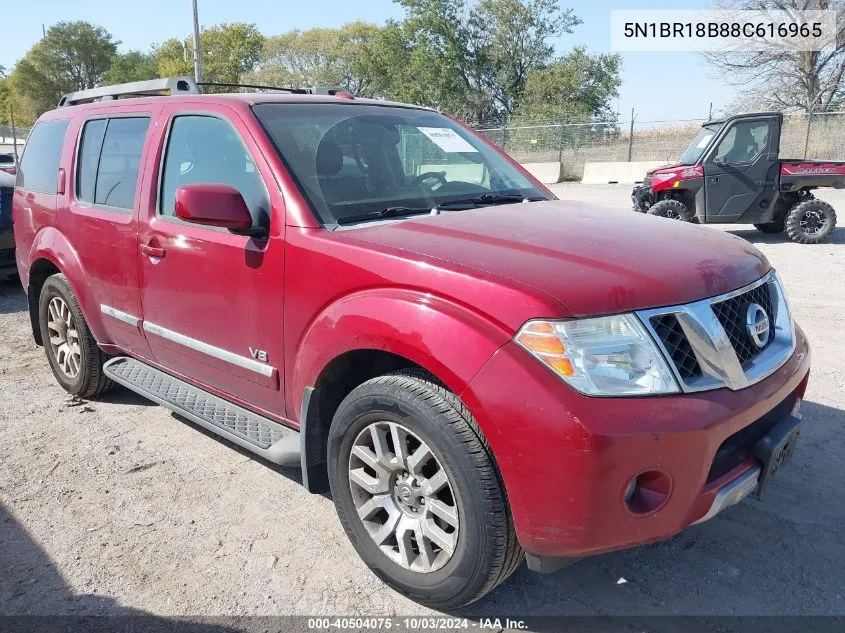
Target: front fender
{"points": [[51, 245], [449, 340]]}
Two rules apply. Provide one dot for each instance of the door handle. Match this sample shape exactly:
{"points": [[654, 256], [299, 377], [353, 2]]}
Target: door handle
{"points": [[153, 251], [714, 179]]}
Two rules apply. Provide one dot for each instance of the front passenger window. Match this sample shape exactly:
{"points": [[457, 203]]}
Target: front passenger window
{"points": [[208, 150], [744, 142]]}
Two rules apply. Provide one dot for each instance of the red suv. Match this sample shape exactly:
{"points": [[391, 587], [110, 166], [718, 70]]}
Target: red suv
{"points": [[371, 290]]}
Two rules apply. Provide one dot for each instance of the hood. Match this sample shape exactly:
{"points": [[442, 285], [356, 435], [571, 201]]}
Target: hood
{"points": [[663, 168], [593, 260]]}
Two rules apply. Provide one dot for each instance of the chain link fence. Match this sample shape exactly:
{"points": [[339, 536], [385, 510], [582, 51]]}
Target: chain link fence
{"points": [[819, 136], [12, 139]]}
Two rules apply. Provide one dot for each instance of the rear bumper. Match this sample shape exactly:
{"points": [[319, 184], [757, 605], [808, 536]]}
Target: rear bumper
{"points": [[7, 255], [567, 459]]}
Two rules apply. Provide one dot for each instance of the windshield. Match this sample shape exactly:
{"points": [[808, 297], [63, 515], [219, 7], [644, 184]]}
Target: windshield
{"points": [[354, 160], [699, 144]]}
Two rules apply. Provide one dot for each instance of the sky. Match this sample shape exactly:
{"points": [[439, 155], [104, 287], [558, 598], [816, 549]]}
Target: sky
{"points": [[659, 86]]}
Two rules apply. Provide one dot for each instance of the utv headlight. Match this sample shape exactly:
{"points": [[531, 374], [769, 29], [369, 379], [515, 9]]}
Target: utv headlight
{"points": [[604, 356]]}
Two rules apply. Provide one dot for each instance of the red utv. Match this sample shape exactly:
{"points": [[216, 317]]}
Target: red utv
{"points": [[731, 174]]}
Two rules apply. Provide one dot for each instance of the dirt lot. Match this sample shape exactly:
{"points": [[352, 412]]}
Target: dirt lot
{"points": [[117, 506]]}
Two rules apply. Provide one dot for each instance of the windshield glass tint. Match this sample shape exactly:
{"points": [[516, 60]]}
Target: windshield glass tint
{"points": [[699, 144], [357, 159]]}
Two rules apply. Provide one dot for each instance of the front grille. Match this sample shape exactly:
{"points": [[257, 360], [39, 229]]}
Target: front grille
{"points": [[719, 351], [731, 314], [669, 331]]}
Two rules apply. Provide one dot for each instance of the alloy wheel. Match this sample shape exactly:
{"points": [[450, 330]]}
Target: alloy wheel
{"points": [[403, 497], [64, 337]]}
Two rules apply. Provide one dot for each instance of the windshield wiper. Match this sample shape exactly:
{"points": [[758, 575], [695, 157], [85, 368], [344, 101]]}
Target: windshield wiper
{"points": [[389, 212], [482, 200], [488, 198]]}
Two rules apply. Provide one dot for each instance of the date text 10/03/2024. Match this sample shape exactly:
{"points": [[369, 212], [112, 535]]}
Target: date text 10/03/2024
{"points": [[416, 623]]}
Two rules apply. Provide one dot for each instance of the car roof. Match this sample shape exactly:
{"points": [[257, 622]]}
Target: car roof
{"points": [[237, 99]]}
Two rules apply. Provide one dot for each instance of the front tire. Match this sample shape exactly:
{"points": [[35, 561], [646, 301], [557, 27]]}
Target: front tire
{"points": [[73, 354], [672, 209], [810, 222], [418, 493]]}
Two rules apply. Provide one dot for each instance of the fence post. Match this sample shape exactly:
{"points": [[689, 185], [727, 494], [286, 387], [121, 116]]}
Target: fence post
{"points": [[631, 137], [14, 132], [505, 133], [807, 136], [560, 140]]}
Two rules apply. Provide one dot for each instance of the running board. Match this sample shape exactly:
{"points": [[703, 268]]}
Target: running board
{"points": [[263, 436]]}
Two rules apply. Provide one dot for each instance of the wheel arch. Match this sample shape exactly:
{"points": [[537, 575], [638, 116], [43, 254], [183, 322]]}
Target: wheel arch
{"points": [[361, 338], [52, 253]]}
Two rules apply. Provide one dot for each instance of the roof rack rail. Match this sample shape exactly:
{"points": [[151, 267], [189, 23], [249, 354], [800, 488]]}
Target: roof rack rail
{"points": [[152, 87], [297, 91]]}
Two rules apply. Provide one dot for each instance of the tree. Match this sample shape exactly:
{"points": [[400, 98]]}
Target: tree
{"points": [[341, 57], [577, 87], [132, 66], [72, 56], [228, 51], [806, 80], [473, 59]]}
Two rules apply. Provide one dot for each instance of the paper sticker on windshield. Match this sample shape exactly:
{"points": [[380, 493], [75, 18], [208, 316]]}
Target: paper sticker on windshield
{"points": [[447, 139], [703, 142]]}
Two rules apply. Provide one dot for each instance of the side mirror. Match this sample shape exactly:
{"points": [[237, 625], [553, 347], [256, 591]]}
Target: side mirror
{"points": [[215, 205], [719, 160]]}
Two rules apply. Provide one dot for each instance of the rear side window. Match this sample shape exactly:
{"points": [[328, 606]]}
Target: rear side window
{"points": [[109, 160], [89, 156], [39, 168]]}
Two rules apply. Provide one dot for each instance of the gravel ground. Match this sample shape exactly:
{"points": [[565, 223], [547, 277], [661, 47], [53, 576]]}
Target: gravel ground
{"points": [[117, 506]]}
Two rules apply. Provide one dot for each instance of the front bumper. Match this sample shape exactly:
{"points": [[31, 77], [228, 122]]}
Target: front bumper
{"points": [[567, 459]]}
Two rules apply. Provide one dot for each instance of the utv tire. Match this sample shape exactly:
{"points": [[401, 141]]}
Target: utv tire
{"points": [[73, 354], [775, 226], [389, 521], [672, 209], [810, 222]]}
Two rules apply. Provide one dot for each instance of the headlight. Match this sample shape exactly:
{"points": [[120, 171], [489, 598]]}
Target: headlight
{"points": [[605, 356]]}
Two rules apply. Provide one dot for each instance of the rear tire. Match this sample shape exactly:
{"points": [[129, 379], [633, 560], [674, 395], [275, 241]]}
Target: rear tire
{"points": [[810, 222], [672, 209], [775, 226], [476, 549], [73, 354]]}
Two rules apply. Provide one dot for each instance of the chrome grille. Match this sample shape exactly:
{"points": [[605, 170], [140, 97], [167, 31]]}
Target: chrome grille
{"points": [[731, 314], [706, 342]]}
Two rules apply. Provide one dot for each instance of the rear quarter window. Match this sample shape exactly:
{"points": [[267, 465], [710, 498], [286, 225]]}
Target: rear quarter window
{"points": [[39, 168]]}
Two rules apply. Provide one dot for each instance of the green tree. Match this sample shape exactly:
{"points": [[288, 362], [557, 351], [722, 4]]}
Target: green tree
{"points": [[577, 87], [341, 57], [72, 56], [473, 59], [228, 51], [132, 66]]}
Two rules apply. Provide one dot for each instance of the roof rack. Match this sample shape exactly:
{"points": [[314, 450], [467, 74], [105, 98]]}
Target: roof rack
{"points": [[152, 87], [178, 86], [296, 91]]}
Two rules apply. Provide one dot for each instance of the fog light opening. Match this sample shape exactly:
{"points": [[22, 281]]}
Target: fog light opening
{"points": [[647, 492]]}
